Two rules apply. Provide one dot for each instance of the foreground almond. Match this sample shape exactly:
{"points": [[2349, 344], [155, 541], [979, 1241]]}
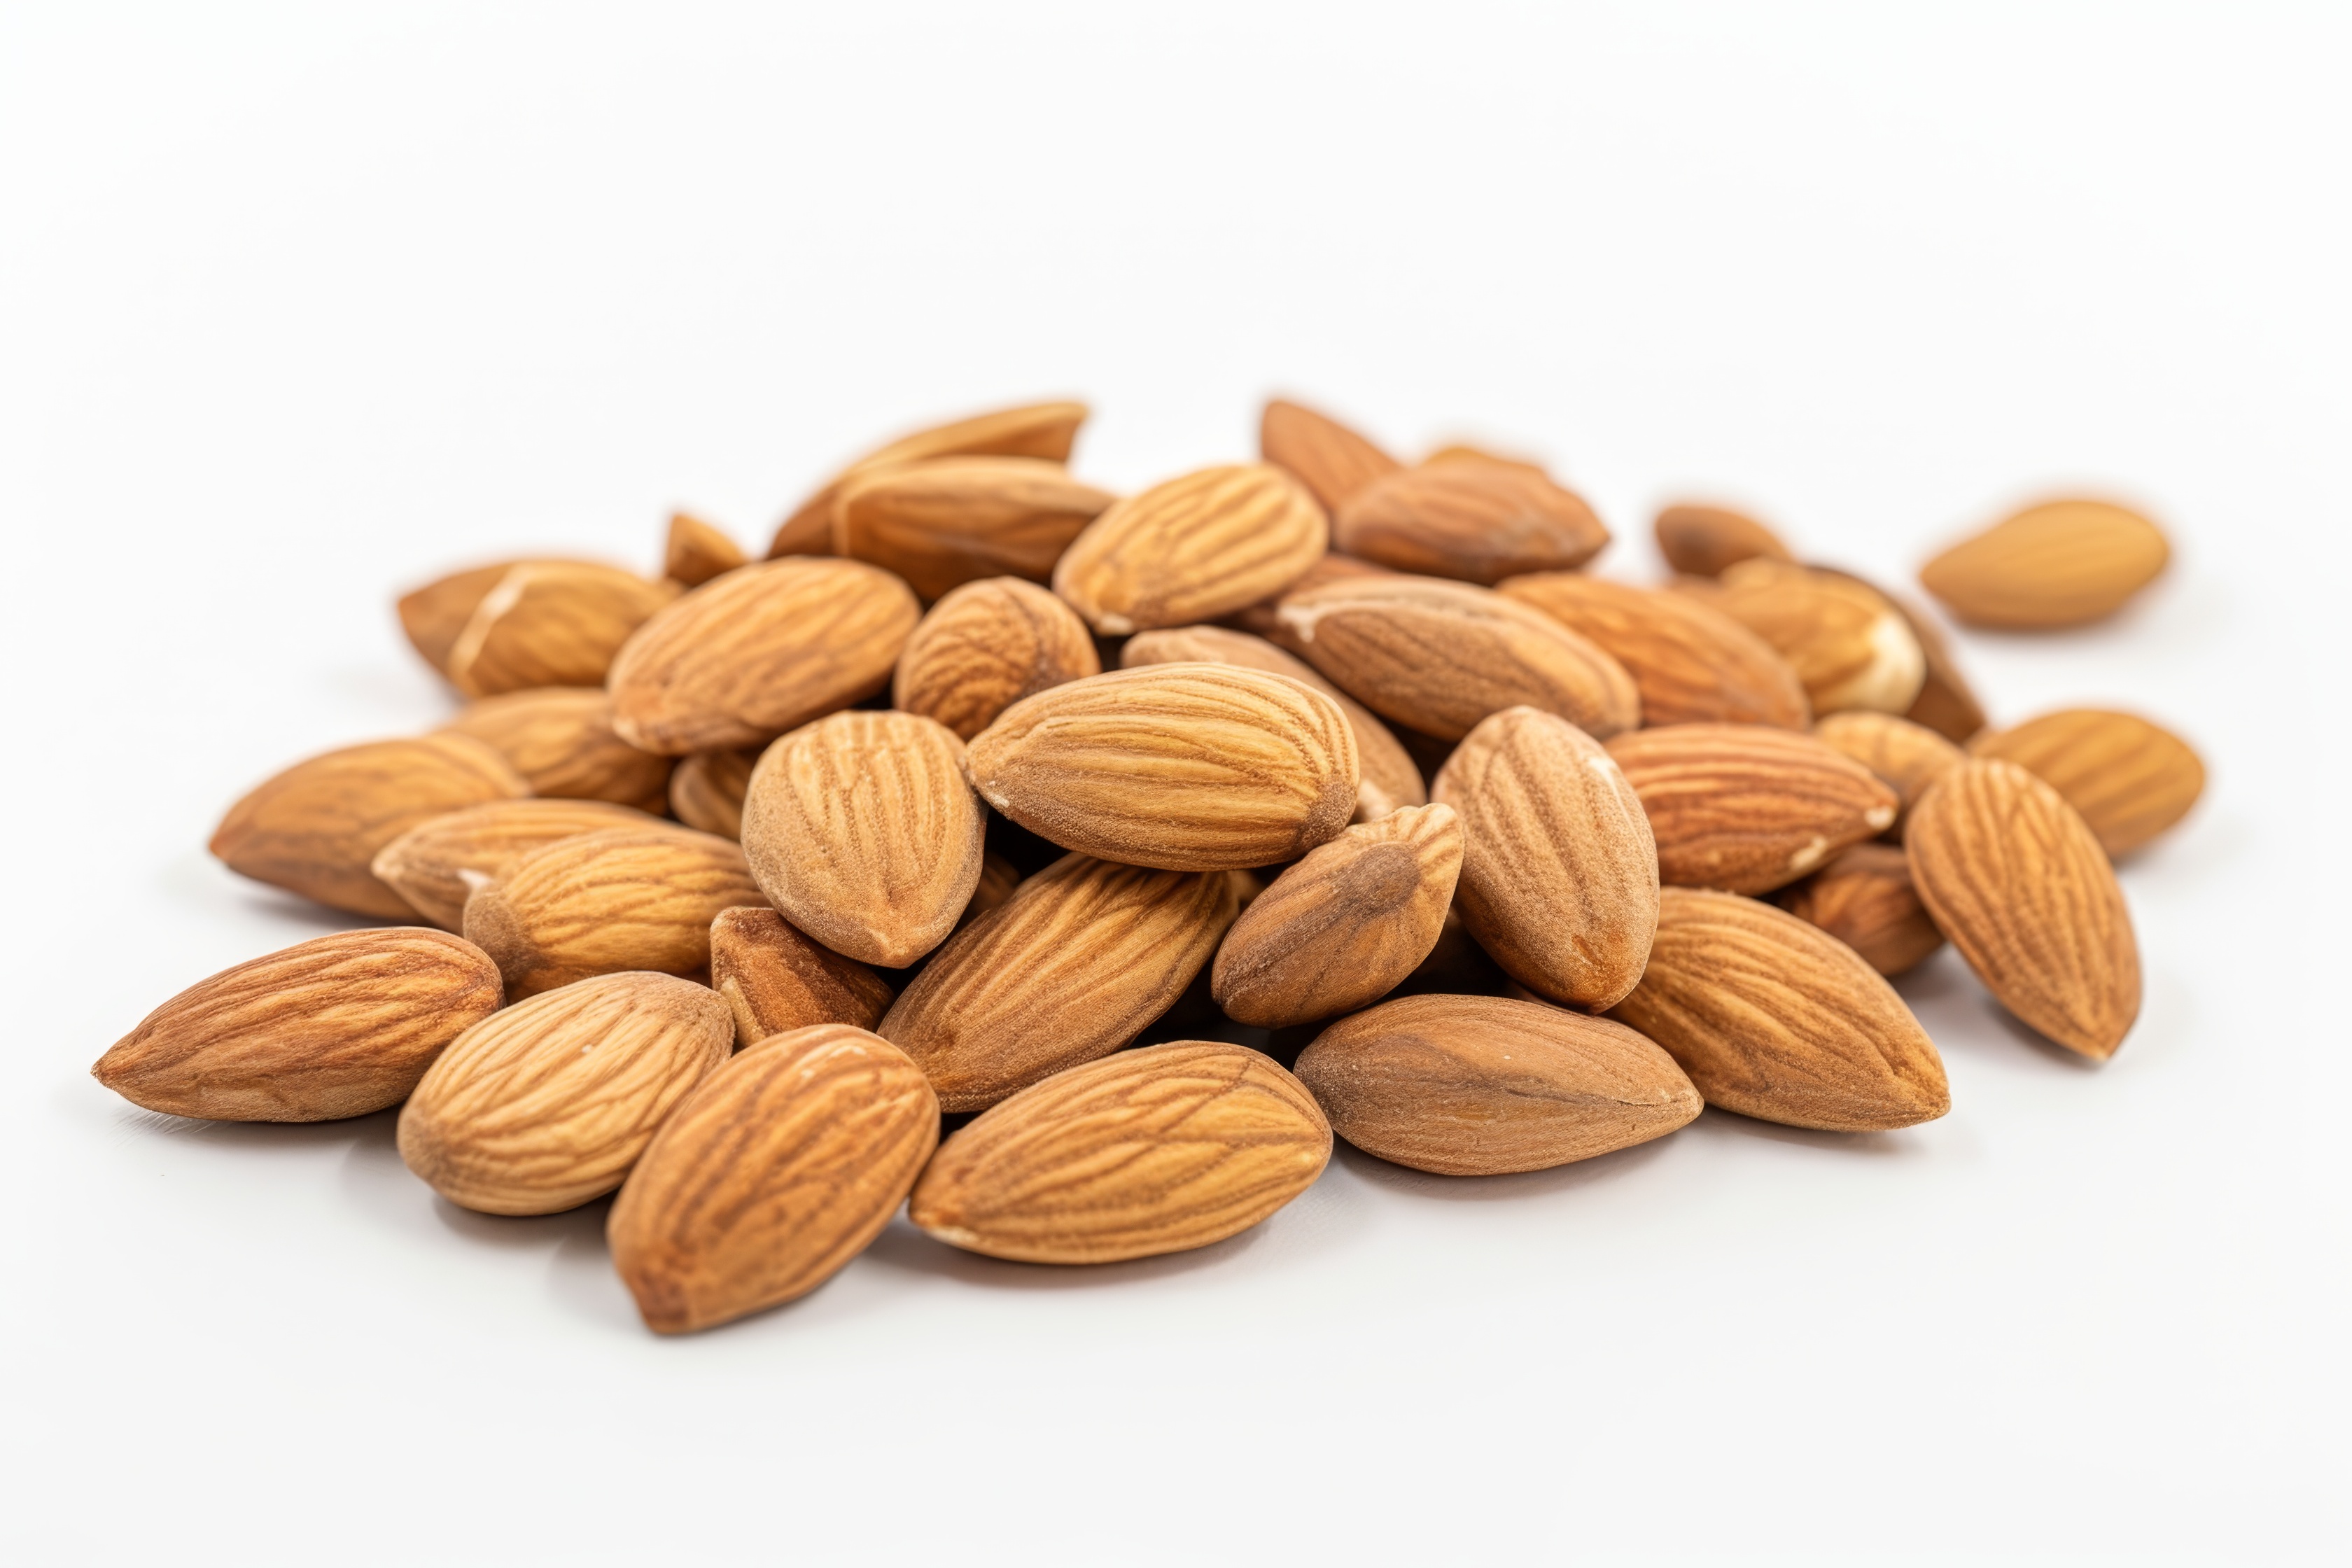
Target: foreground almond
{"points": [[986, 645], [1692, 664], [957, 519], [1747, 808], [776, 979], [1480, 521], [550, 623], [1038, 430], [1193, 549], [560, 739], [436, 864], [1332, 460], [2129, 778], [1866, 899], [2063, 563]]}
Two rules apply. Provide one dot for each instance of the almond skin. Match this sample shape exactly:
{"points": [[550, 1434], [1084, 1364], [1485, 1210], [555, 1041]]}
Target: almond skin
{"points": [[1033, 430], [1560, 875], [1192, 549], [776, 979], [694, 551], [780, 1167], [862, 832], [1848, 644], [1079, 960], [1704, 541], [1156, 1150], [550, 623], [1186, 767], [2015, 878], [1746, 808], [314, 828], [998, 877], [434, 615], [761, 650], [2062, 563], [1262, 619], [1332, 461], [985, 646], [1482, 1086], [544, 1106], [1477, 521], [2130, 779], [959, 519], [437, 864], [1945, 703], [1342, 928], [707, 790], [1694, 665], [560, 739], [1775, 1020], [339, 1026], [1866, 899], [1905, 756]]}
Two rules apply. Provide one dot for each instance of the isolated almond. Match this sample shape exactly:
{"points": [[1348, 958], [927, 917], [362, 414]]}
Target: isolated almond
{"points": [[1692, 664], [314, 828], [707, 790], [1332, 461], [761, 650], [561, 739], [1263, 618], [2062, 563], [775, 978], [544, 1106], [1866, 899], [862, 832], [1188, 767], [437, 864], [1905, 756], [959, 519], [551, 622], [434, 615], [1479, 521], [1705, 540], [1156, 1150], [1559, 877], [1193, 549], [2016, 878], [1749, 808], [986, 645], [1480, 1086], [1079, 960], [1778, 1020], [1849, 646], [339, 1026], [2130, 779], [695, 552], [777, 1170]]}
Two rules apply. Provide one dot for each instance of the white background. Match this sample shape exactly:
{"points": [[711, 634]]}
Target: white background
{"points": [[298, 309]]}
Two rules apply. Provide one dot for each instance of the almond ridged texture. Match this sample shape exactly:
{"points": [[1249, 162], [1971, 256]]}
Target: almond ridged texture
{"points": [[434, 615], [986, 645], [1704, 541], [775, 978], [2129, 778], [561, 739], [1332, 460], [1479, 521], [1043, 430], [1747, 808], [694, 553], [1264, 619], [1692, 664], [2062, 563], [437, 864], [1847, 642], [1193, 549], [1866, 899], [707, 790], [1905, 756], [960, 520], [551, 622]]}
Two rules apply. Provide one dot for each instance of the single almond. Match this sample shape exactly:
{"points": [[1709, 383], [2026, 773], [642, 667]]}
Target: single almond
{"points": [[1866, 899], [551, 622], [1332, 460], [561, 739], [1905, 756], [1847, 643], [707, 790], [434, 615], [1692, 664], [1946, 703], [986, 645], [437, 864], [1263, 618], [776, 978], [1746, 808], [1703, 540], [2062, 563], [2130, 779], [1479, 521], [960, 520], [695, 552], [1192, 549]]}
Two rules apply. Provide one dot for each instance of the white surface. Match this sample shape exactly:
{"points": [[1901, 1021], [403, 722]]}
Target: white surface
{"points": [[297, 309]]}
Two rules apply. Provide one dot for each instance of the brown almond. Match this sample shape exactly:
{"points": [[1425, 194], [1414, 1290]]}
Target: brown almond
{"points": [[707, 790], [1747, 808], [2062, 563], [694, 553], [1263, 618], [1703, 540], [776, 978], [437, 864], [998, 877], [1192, 549], [551, 622], [985, 646], [1946, 703], [1332, 460], [434, 615], [1905, 756], [1479, 521], [2129, 778], [561, 739], [1848, 644], [960, 520], [1866, 899], [1692, 664], [1461, 452]]}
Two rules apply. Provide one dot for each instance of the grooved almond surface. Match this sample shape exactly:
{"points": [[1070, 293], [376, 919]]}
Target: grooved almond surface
{"points": [[2130, 779], [1866, 899], [434, 615], [1905, 756], [985, 646], [957, 519], [2062, 563], [707, 790], [1704, 541], [1332, 460], [1263, 618], [1747, 808], [1043, 430], [437, 864], [1692, 664], [694, 551], [1193, 549], [550, 623], [775, 978], [560, 739], [1479, 521], [1847, 642]]}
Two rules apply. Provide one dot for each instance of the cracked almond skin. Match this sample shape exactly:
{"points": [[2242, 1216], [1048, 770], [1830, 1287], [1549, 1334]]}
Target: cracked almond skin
{"points": [[707, 790], [763, 649], [2129, 778], [1183, 767], [1041, 430], [1081, 959], [1193, 548], [783, 1165], [986, 645], [693, 551], [1483, 1086], [1746, 808], [1706, 540], [1342, 928], [1476, 522], [437, 864], [339, 1026], [960, 520], [2062, 563], [1149, 1151], [545, 1105], [1905, 756], [1332, 460], [776, 978], [2016, 878], [1692, 664], [561, 739], [598, 903], [1776, 1019], [551, 622], [1848, 643], [1559, 874], [1437, 657], [315, 828], [1867, 900], [862, 831]]}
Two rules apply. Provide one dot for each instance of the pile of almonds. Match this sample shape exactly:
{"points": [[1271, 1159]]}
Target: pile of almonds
{"points": [[1517, 865]]}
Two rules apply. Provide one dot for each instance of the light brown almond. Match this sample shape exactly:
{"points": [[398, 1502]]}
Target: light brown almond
{"points": [[1332, 460], [1043, 430], [776, 978], [1849, 645], [1703, 540], [1263, 618], [2062, 563], [985, 646], [1866, 899], [1192, 549], [707, 790], [2129, 778], [1905, 756], [437, 864], [1746, 808], [1692, 664], [1479, 521], [561, 739], [1946, 703], [694, 552], [551, 622], [434, 615], [960, 520], [1461, 452]]}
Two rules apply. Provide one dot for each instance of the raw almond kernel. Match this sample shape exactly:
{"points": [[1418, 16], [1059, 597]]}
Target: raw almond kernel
{"points": [[998, 877], [1156, 1150], [1479, 521], [959, 519], [763, 649], [1705, 540], [1075, 965], [1339, 929], [624, 898], [1907, 757], [2016, 878], [1850, 646], [775, 978], [1481, 1086], [1438, 657], [561, 739], [777, 1170], [707, 790], [1184, 767], [434, 615], [2130, 779], [1264, 619], [437, 864], [1193, 549], [544, 1106], [1747, 808], [985, 646], [551, 622], [339, 1026], [694, 552], [862, 832], [1866, 899], [1692, 664], [1386, 778], [1945, 703], [1332, 461], [2062, 563], [1775, 1020], [1559, 877], [314, 828]]}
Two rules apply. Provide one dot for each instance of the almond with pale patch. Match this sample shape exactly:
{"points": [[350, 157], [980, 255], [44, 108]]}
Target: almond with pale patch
{"points": [[551, 622], [1849, 646], [1905, 756], [1747, 808]]}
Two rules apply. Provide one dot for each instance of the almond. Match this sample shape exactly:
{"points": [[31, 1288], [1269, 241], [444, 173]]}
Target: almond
{"points": [[1847, 643], [560, 739], [1079, 960], [707, 790], [1905, 756], [1747, 808], [2130, 779], [1193, 549], [1462, 453], [1479, 521], [314, 828], [1035, 430], [1559, 877], [1692, 664], [761, 650], [1703, 540], [2016, 878], [1332, 461], [1945, 702], [1156, 1150], [434, 615], [1481, 1086], [1263, 618], [1866, 899], [862, 832], [1187, 767], [957, 519], [775, 978], [998, 877], [694, 552], [339, 1026], [550, 623], [986, 645], [546, 1105], [437, 864], [2062, 563], [1775, 1020]]}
